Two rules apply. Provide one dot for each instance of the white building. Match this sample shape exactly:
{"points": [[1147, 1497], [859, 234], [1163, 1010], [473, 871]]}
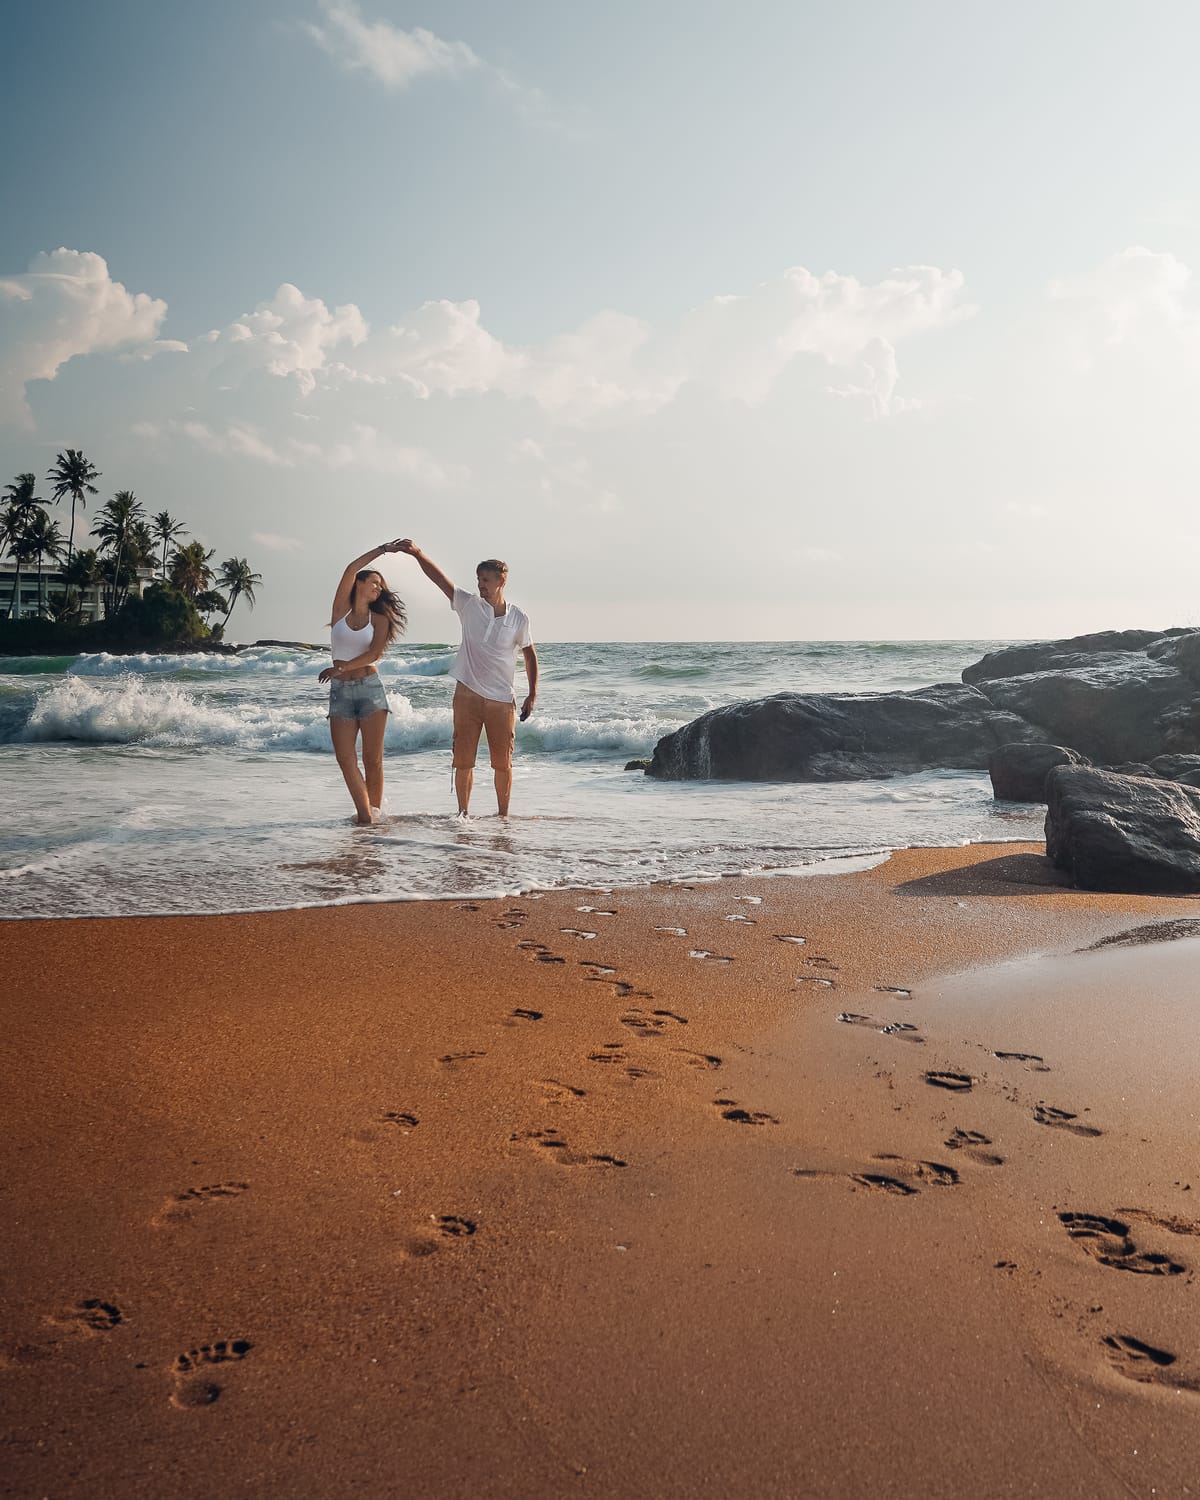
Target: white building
{"points": [[29, 604]]}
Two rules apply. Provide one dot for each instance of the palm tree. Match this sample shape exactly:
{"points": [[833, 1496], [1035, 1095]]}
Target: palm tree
{"points": [[238, 581], [72, 475], [20, 505], [82, 572], [208, 602], [12, 529], [121, 530], [167, 529], [45, 539], [190, 571]]}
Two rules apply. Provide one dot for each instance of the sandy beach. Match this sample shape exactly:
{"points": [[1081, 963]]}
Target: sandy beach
{"points": [[878, 1184]]}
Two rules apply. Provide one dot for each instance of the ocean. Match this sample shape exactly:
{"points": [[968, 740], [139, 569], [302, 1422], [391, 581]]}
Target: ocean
{"points": [[185, 784]]}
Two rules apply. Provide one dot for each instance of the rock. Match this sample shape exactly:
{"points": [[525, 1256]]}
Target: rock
{"points": [[1175, 767], [1120, 706], [1019, 771], [1077, 651], [637, 765], [1123, 833], [840, 737]]}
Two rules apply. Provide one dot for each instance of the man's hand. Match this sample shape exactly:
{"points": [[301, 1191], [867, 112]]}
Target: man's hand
{"points": [[527, 708]]}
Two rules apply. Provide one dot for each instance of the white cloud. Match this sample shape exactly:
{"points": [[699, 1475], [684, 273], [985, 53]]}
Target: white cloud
{"points": [[1134, 291], [737, 346], [273, 542], [290, 335], [359, 447], [397, 58], [66, 304], [393, 56]]}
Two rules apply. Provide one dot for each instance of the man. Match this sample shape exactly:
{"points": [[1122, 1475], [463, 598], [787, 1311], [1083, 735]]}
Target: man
{"points": [[493, 631]]}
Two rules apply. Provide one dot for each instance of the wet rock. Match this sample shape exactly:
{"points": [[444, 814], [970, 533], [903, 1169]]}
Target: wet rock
{"points": [[840, 737], [1076, 651], [637, 765], [1123, 833], [1019, 771]]}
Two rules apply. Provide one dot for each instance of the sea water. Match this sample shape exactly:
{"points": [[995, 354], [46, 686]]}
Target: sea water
{"points": [[154, 784]]}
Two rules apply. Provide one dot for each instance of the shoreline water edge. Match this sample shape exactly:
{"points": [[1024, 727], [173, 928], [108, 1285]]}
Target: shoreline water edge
{"points": [[751, 1186], [159, 785]]}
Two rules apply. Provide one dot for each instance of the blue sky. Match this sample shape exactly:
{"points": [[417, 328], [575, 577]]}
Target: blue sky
{"points": [[773, 319]]}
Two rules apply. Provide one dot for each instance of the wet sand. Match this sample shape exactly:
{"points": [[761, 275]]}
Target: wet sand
{"points": [[626, 1194]]}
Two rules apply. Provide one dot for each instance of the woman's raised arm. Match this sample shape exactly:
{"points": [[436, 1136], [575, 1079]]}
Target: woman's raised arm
{"points": [[341, 599]]}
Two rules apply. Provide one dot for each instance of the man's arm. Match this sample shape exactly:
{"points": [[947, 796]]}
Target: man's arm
{"points": [[429, 568], [531, 671]]}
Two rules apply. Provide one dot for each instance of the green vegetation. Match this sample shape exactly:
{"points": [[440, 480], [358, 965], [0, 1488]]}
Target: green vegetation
{"points": [[176, 612]]}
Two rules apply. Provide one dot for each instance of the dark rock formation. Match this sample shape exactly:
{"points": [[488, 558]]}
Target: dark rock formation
{"points": [[1121, 706], [1076, 651], [1019, 771], [1123, 833], [839, 737], [1130, 697]]}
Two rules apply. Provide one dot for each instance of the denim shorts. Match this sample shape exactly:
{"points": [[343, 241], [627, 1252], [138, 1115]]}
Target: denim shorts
{"points": [[357, 700]]}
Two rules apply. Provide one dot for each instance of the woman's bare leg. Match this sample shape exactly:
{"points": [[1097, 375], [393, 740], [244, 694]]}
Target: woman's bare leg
{"points": [[372, 754], [344, 734]]}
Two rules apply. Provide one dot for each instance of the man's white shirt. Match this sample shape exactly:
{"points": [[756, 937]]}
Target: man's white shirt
{"points": [[487, 658]]}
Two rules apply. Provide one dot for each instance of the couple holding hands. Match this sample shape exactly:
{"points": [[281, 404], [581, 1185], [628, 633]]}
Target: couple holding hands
{"points": [[368, 616]]}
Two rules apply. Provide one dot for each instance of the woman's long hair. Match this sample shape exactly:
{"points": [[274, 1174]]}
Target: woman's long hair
{"points": [[388, 603]]}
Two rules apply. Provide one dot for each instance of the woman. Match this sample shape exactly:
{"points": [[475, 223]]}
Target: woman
{"points": [[367, 618]]}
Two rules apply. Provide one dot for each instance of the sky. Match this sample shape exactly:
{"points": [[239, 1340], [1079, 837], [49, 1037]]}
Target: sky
{"points": [[775, 320]]}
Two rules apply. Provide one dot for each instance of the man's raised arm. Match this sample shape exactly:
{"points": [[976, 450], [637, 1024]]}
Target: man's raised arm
{"points": [[428, 567]]}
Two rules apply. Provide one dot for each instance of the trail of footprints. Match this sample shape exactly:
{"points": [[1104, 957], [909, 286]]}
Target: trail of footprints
{"points": [[197, 1375]]}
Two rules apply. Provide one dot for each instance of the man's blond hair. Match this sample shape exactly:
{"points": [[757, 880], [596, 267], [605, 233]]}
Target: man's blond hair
{"points": [[492, 565]]}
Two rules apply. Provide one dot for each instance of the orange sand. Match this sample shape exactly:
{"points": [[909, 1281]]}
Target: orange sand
{"points": [[442, 1200]]}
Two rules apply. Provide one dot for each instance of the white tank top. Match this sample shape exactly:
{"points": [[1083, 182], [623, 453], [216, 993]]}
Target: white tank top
{"points": [[345, 643]]}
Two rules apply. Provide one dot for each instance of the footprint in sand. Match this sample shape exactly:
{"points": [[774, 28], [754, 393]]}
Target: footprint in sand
{"points": [[750, 900], [553, 1144], [1144, 1363], [466, 906], [578, 932], [599, 971], [707, 1061], [958, 1082], [608, 1052], [971, 1143], [819, 962], [90, 1315], [401, 1119], [453, 1060], [190, 1371], [554, 1091], [539, 952], [893, 989], [652, 1022], [789, 937], [817, 980], [898, 1180], [1173, 1223], [731, 1110], [716, 958], [594, 911], [1036, 1064], [674, 931], [737, 916], [1062, 1119], [522, 1014], [426, 1242], [1107, 1241], [181, 1205], [903, 1029]]}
